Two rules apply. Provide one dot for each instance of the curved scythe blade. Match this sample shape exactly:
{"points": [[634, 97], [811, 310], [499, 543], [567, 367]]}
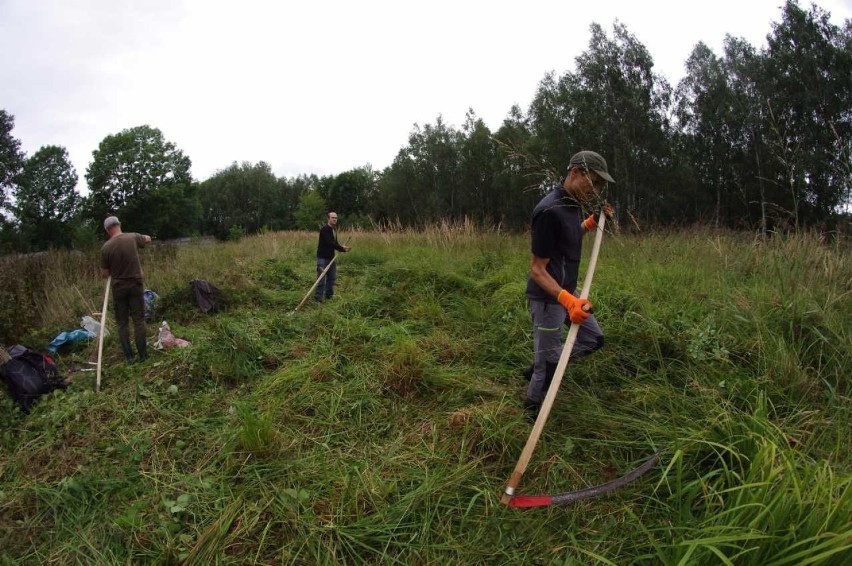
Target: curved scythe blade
{"points": [[525, 501]]}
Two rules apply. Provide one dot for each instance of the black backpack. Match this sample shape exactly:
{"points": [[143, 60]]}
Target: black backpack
{"points": [[28, 375]]}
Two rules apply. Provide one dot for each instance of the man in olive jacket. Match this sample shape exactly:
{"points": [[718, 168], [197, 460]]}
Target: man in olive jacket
{"points": [[120, 260]]}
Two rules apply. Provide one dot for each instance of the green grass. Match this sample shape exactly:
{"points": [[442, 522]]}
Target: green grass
{"points": [[381, 427]]}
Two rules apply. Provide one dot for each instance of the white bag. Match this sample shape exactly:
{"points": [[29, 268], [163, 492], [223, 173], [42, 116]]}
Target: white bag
{"points": [[92, 326]]}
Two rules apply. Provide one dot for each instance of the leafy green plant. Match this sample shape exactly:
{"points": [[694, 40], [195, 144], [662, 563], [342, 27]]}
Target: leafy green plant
{"points": [[236, 233]]}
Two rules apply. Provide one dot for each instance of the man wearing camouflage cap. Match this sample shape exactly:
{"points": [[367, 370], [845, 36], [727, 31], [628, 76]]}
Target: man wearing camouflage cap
{"points": [[557, 241]]}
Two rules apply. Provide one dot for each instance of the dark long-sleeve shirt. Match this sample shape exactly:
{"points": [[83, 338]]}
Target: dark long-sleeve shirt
{"points": [[328, 243]]}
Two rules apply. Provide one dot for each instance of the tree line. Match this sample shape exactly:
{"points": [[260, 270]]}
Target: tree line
{"points": [[756, 139]]}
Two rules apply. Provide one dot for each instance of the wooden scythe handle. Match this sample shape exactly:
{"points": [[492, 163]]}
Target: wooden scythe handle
{"points": [[101, 335], [314, 286], [544, 412]]}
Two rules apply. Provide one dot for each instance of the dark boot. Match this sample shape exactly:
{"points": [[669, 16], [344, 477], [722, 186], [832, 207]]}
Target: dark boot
{"points": [[527, 373], [142, 347], [531, 409], [128, 351]]}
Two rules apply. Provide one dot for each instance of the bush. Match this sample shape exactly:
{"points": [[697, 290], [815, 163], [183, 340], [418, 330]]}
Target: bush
{"points": [[236, 233]]}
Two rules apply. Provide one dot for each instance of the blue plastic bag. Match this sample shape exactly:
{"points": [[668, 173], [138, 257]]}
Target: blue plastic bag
{"points": [[77, 335], [150, 300]]}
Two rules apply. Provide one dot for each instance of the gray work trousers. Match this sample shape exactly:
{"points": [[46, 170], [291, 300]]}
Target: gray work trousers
{"points": [[548, 320]]}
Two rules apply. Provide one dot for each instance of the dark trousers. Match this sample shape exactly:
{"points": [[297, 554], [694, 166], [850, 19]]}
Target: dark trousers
{"points": [[325, 288], [129, 302]]}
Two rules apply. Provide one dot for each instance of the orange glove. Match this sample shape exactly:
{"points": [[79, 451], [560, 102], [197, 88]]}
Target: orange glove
{"points": [[591, 222], [578, 309]]}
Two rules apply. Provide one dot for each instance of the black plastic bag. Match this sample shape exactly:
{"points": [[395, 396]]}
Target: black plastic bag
{"points": [[206, 295]]}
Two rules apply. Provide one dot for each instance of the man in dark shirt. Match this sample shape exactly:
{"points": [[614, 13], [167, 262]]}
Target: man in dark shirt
{"points": [[120, 260], [325, 254], [557, 242]]}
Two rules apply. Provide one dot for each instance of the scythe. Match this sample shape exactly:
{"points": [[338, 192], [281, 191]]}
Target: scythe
{"points": [[314, 286], [509, 498]]}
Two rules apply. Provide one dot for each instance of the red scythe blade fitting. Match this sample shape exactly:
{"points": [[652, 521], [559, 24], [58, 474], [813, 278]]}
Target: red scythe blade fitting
{"points": [[525, 501]]}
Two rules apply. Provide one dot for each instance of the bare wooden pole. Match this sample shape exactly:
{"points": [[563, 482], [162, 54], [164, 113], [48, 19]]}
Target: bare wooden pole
{"points": [[544, 412], [101, 335]]}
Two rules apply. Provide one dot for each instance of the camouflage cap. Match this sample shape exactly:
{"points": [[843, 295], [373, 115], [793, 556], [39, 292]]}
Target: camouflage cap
{"points": [[593, 161]]}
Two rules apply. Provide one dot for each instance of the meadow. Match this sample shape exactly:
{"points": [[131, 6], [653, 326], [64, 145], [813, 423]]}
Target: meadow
{"points": [[381, 427]]}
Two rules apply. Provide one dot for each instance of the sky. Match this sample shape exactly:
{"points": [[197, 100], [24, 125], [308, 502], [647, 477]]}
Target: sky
{"points": [[320, 86]]}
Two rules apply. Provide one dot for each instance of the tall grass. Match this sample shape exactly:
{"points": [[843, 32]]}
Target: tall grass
{"points": [[380, 427]]}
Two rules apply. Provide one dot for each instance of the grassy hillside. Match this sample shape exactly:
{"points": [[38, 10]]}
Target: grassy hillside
{"points": [[381, 427]]}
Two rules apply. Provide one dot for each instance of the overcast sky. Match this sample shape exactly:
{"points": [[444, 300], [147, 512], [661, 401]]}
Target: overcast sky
{"points": [[315, 86]]}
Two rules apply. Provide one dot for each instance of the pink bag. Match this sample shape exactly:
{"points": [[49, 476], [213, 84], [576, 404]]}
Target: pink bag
{"points": [[167, 340]]}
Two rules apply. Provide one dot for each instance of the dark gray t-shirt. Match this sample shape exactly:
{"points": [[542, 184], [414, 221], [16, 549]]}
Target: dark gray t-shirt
{"points": [[557, 235]]}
